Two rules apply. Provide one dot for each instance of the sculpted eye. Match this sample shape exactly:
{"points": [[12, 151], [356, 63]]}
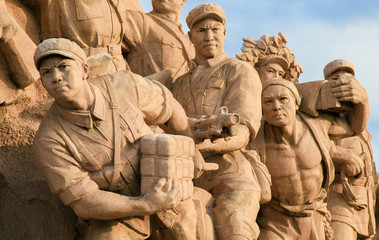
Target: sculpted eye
{"points": [[283, 99], [64, 66], [268, 101], [45, 72]]}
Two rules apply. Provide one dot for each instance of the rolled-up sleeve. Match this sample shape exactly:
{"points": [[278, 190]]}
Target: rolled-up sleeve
{"points": [[63, 173], [154, 100]]}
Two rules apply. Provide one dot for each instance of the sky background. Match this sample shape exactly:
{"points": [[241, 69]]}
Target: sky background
{"points": [[317, 32]]}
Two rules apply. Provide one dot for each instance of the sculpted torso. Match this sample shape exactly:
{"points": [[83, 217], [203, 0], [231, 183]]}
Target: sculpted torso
{"points": [[296, 169]]}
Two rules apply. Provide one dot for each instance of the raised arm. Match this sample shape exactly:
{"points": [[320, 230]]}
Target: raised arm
{"points": [[350, 90]]}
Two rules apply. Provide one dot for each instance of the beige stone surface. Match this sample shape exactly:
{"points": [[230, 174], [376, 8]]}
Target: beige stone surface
{"points": [[156, 41], [271, 57], [298, 153], [352, 203], [27, 207], [88, 149], [148, 191], [214, 81]]}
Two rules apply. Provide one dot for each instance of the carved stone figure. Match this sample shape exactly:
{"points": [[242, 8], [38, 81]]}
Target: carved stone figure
{"points": [[96, 26], [156, 41], [271, 57], [351, 199], [297, 151], [214, 81], [87, 147]]}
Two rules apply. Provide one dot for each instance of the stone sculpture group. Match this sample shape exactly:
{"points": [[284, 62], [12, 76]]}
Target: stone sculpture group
{"points": [[145, 132]]}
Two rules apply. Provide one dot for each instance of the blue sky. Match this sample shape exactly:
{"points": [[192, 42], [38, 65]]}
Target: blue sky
{"points": [[317, 32]]}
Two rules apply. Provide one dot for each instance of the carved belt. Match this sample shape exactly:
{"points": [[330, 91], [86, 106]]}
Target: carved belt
{"points": [[303, 210]]}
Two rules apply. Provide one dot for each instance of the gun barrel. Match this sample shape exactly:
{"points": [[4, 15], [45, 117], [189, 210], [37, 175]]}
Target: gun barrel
{"points": [[231, 119]]}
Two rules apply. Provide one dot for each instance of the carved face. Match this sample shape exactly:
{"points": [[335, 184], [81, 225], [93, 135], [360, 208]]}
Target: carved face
{"points": [[270, 70], [278, 105], [167, 6], [208, 36], [62, 78]]}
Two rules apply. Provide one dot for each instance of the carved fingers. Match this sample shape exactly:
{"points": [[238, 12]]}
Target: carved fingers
{"points": [[353, 166], [163, 195], [349, 90]]}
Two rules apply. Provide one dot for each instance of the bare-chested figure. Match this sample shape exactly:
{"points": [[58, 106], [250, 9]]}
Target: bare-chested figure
{"points": [[297, 151]]}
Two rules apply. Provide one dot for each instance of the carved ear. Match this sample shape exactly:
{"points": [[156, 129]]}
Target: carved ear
{"points": [[86, 71]]}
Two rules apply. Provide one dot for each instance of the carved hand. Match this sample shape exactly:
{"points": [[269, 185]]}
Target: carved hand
{"points": [[157, 200], [202, 166], [238, 139], [353, 166], [8, 27], [347, 160], [349, 89]]}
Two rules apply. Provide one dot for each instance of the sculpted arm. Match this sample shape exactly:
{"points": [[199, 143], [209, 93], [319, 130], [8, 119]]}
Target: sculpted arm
{"points": [[134, 29], [346, 160], [350, 90], [242, 96], [100, 204], [159, 107], [18, 49], [68, 179]]}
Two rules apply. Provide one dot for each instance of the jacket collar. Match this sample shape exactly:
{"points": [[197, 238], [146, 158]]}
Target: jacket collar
{"points": [[212, 61], [85, 118]]}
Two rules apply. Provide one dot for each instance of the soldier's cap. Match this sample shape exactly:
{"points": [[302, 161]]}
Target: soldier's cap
{"points": [[339, 64], [205, 10], [276, 59], [283, 82], [58, 46]]}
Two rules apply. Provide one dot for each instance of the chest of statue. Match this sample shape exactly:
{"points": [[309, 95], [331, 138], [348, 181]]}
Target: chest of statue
{"points": [[203, 91], [285, 160]]}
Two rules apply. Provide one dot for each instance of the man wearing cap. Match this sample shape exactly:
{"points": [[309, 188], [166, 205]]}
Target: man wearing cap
{"points": [[87, 145], [351, 199], [298, 154], [215, 80], [155, 41]]}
